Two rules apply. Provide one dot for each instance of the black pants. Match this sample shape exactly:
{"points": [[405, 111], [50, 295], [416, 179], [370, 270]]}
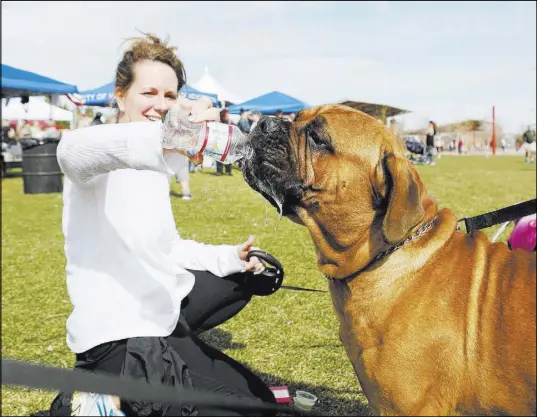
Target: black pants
{"points": [[212, 301], [220, 168]]}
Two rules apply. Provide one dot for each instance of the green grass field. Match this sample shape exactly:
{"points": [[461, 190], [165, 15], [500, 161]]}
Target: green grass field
{"points": [[289, 338]]}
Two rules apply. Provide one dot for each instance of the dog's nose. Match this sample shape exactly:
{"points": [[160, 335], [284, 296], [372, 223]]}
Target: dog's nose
{"points": [[266, 124]]}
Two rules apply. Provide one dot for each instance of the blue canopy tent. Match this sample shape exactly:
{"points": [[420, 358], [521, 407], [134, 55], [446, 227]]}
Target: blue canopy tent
{"points": [[17, 83], [270, 103], [100, 96], [104, 95]]}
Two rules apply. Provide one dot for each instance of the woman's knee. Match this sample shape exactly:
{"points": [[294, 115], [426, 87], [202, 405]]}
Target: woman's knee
{"points": [[214, 300]]}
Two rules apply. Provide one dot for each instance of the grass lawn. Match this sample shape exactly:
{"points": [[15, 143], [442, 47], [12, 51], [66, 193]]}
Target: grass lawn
{"points": [[289, 338]]}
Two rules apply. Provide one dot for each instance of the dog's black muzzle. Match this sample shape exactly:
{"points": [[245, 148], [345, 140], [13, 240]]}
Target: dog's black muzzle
{"points": [[271, 168]]}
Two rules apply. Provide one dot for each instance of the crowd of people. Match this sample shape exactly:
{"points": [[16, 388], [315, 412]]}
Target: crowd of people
{"points": [[425, 151], [27, 129], [21, 134]]}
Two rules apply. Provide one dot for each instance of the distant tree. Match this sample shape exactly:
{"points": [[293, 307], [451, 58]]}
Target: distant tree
{"points": [[473, 125]]}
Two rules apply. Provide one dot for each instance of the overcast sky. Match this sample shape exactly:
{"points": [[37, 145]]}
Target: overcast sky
{"points": [[446, 61]]}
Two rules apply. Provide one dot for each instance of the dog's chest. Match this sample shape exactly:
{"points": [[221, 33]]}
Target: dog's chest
{"points": [[360, 332], [358, 321], [361, 342]]}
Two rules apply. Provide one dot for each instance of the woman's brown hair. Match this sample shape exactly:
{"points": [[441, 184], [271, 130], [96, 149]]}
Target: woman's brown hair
{"points": [[150, 48]]}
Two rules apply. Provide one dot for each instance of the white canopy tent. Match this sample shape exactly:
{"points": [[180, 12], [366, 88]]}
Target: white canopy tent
{"points": [[36, 109], [208, 83]]}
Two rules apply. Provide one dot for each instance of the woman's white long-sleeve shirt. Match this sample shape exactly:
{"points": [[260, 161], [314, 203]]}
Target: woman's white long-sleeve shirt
{"points": [[126, 262]]}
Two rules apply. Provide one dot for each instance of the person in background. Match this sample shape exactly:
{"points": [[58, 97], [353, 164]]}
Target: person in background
{"points": [[51, 130], [141, 294], [529, 145], [459, 145], [289, 117], [98, 119], [394, 128], [278, 113], [438, 145], [179, 164], [254, 118], [24, 131], [83, 121], [13, 133], [224, 118], [429, 143], [36, 131], [244, 122]]}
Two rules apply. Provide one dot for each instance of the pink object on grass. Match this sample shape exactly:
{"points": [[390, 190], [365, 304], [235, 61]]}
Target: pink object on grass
{"points": [[523, 235], [281, 394]]}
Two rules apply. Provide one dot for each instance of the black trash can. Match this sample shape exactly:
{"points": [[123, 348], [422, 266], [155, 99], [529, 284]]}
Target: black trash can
{"points": [[40, 170]]}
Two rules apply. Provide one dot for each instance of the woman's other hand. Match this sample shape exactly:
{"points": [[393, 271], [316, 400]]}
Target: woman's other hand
{"points": [[254, 264]]}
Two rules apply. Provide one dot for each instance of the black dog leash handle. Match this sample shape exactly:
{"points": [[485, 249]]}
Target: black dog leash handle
{"points": [[267, 257], [271, 279], [514, 212]]}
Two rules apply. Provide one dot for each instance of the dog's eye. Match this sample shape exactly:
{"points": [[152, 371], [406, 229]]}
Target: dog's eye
{"points": [[319, 143]]}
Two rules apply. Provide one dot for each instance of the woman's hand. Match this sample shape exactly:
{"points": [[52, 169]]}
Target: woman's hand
{"points": [[254, 264], [195, 111]]}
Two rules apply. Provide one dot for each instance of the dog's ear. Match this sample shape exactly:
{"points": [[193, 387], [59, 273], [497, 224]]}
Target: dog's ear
{"points": [[404, 209]]}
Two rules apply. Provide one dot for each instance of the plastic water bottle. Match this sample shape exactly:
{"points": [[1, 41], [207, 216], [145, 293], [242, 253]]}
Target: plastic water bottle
{"points": [[222, 142]]}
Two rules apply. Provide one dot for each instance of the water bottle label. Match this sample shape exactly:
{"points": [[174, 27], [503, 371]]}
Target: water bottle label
{"points": [[217, 141], [205, 138]]}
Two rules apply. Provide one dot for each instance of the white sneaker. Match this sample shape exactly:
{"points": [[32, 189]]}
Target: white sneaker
{"points": [[90, 404], [187, 197]]}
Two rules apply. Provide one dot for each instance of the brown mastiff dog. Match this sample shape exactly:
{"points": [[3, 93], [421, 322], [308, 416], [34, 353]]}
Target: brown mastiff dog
{"points": [[434, 320]]}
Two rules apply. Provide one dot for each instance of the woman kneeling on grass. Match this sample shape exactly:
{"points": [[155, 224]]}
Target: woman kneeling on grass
{"points": [[140, 293]]}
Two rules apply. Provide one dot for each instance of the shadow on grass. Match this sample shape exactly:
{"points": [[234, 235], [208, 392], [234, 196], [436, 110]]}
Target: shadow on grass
{"points": [[213, 173], [340, 402], [220, 339], [174, 194]]}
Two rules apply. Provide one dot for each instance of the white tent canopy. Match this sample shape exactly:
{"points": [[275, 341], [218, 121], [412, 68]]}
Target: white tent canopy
{"points": [[37, 109], [208, 83]]}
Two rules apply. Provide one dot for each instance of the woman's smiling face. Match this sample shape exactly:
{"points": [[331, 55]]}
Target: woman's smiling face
{"points": [[152, 92]]}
